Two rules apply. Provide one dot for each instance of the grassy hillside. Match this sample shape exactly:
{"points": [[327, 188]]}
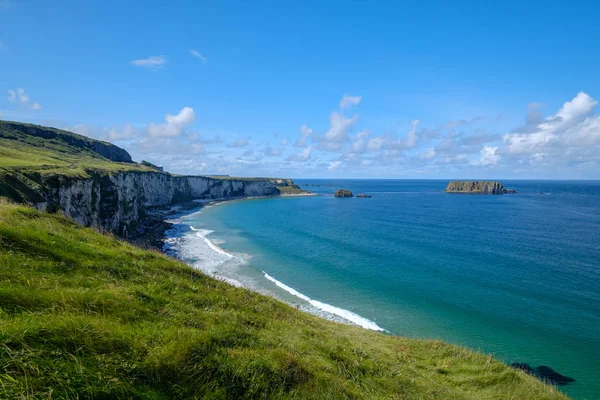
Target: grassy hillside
{"points": [[33, 148], [84, 315]]}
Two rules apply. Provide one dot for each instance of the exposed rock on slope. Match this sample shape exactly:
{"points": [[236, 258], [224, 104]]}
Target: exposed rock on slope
{"points": [[479, 187], [96, 183]]}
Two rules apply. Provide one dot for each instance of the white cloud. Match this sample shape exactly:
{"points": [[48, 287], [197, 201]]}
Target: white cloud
{"points": [[333, 165], [302, 155], [337, 134], [196, 54], [429, 154], [175, 124], [359, 143], [22, 98], [306, 132], [572, 125], [128, 132], [349, 101], [152, 62], [241, 142], [411, 139], [271, 152], [488, 157], [375, 144]]}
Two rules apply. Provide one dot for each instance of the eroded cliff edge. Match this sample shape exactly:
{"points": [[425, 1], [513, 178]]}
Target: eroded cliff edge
{"points": [[97, 184]]}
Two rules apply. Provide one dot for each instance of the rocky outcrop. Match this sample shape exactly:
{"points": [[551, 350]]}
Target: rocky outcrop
{"points": [[101, 186], [363, 196], [343, 193], [119, 203], [477, 187]]}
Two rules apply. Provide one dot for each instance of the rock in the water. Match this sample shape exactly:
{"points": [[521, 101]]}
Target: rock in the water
{"points": [[343, 193], [364, 196], [480, 187]]}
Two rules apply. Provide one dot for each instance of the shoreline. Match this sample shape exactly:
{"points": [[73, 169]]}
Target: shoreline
{"points": [[172, 247], [155, 225]]}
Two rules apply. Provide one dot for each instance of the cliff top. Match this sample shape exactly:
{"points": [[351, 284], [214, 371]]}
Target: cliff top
{"points": [[91, 316], [33, 148], [30, 148]]}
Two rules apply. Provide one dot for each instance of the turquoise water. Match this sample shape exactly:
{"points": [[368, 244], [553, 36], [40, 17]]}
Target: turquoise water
{"points": [[517, 276]]}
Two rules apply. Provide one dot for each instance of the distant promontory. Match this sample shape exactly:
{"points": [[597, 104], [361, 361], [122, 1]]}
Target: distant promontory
{"points": [[478, 187]]}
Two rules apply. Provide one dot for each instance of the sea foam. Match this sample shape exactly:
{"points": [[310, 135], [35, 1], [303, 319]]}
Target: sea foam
{"points": [[340, 312]]}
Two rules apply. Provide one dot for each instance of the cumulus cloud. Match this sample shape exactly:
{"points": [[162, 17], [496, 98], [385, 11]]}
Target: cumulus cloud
{"points": [[241, 142], [429, 154], [305, 133], [196, 54], [269, 151], [573, 125], [175, 124], [349, 101], [411, 138], [152, 62], [247, 153], [19, 96], [337, 134], [301, 156], [360, 141], [333, 165], [488, 157]]}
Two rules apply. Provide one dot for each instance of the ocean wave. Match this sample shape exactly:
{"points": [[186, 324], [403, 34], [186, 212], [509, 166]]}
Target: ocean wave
{"points": [[203, 233], [193, 246], [340, 312]]}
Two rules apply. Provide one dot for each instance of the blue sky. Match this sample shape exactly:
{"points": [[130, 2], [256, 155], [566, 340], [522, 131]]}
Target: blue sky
{"points": [[426, 89]]}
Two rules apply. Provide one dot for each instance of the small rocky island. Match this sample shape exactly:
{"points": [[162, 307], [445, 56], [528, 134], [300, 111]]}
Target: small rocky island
{"points": [[478, 187], [364, 196], [343, 193]]}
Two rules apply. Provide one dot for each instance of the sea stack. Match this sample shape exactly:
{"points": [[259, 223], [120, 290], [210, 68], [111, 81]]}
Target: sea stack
{"points": [[343, 193], [478, 187]]}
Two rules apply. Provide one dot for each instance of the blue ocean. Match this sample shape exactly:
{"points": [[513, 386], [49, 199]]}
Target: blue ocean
{"points": [[516, 276]]}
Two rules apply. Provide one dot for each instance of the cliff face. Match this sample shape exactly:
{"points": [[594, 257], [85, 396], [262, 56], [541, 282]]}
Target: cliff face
{"points": [[119, 202], [96, 183], [480, 187]]}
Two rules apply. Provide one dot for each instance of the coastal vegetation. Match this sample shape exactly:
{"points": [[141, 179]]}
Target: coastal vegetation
{"points": [[86, 315]]}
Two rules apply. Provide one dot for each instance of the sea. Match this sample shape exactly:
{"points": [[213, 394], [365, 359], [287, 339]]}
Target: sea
{"points": [[515, 275]]}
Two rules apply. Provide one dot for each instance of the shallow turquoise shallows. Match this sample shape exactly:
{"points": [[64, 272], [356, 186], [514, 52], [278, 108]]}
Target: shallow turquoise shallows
{"points": [[517, 275]]}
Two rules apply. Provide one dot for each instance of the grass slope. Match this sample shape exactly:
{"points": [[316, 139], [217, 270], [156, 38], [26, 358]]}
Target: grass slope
{"points": [[31, 148], [84, 315]]}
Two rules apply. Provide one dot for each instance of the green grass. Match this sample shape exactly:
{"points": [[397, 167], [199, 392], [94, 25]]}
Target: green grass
{"points": [[66, 153], [85, 315], [290, 190]]}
